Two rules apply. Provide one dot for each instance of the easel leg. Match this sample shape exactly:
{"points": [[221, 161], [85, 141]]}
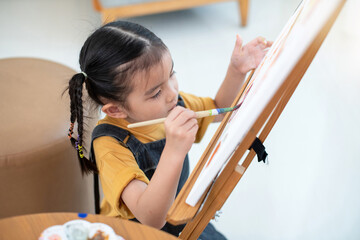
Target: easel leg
{"points": [[194, 228]]}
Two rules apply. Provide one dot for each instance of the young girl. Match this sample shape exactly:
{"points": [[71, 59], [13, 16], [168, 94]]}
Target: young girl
{"points": [[128, 71]]}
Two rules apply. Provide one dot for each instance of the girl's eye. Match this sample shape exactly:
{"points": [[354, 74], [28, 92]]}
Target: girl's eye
{"points": [[157, 94]]}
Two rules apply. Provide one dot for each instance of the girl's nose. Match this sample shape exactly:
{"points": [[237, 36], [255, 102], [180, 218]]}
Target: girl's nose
{"points": [[172, 95]]}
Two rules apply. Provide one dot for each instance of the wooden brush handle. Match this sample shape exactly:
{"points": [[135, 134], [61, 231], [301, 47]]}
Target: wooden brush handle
{"points": [[199, 114]]}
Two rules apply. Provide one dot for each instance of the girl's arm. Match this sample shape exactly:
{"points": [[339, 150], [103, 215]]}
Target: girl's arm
{"points": [[150, 203], [243, 59]]}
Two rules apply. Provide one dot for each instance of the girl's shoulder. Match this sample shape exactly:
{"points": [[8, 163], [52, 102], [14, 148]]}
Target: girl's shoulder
{"points": [[108, 150], [108, 145]]}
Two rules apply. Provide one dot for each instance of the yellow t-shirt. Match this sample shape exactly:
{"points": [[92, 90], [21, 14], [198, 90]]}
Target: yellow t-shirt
{"points": [[117, 165]]}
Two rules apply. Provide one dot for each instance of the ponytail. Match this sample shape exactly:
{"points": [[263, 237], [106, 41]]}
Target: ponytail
{"points": [[76, 114]]}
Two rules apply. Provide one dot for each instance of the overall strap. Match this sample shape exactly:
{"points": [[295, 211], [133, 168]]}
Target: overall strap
{"points": [[100, 131], [124, 137], [180, 101]]}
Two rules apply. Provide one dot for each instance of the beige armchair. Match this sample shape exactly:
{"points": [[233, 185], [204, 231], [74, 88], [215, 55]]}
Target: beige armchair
{"points": [[39, 170]]}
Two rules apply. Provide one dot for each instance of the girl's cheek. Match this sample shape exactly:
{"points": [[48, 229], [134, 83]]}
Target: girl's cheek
{"points": [[174, 84]]}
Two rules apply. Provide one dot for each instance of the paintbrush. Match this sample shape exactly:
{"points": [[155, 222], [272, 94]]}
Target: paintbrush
{"points": [[200, 114]]}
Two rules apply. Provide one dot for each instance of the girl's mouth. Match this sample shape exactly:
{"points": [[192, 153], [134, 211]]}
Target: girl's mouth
{"points": [[172, 108]]}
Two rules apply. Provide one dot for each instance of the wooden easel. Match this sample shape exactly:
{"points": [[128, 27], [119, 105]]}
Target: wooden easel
{"points": [[199, 216]]}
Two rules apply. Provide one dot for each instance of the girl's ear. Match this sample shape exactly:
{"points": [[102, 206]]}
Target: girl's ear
{"points": [[114, 111]]}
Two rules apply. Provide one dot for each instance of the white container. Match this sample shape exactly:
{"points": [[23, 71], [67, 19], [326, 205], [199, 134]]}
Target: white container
{"points": [[79, 230]]}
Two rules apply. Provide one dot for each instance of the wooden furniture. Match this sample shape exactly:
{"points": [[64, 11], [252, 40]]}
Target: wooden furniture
{"points": [[31, 226], [197, 217], [39, 169], [151, 7]]}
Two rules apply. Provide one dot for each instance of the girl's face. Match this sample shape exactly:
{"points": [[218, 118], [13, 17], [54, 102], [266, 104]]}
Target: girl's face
{"points": [[155, 92]]}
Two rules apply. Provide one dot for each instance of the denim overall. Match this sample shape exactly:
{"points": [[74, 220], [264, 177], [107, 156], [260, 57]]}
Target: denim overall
{"points": [[147, 157]]}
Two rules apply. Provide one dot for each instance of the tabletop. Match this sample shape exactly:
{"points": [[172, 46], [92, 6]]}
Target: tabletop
{"points": [[31, 226]]}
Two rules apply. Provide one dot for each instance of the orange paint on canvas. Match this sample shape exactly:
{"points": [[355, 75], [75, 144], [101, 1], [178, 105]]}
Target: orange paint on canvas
{"points": [[216, 149]]}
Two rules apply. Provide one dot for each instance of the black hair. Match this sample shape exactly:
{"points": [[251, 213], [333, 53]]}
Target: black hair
{"points": [[109, 58]]}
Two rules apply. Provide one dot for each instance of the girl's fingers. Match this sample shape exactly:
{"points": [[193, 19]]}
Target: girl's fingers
{"points": [[263, 42], [193, 130], [239, 41], [238, 44], [175, 113], [191, 127], [180, 115], [190, 124], [269, 43], [185, 117]]}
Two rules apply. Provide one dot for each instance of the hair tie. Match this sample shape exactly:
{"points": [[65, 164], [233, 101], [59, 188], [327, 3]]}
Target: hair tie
{"points": [[71, 130], [79, 148], [85, 75]]}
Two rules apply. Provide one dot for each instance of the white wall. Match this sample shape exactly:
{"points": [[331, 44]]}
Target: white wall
{"points": [[310, 189]]}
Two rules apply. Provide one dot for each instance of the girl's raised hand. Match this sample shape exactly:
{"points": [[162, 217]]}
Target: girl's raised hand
{"points": [[248, 57], [181, 127]]}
